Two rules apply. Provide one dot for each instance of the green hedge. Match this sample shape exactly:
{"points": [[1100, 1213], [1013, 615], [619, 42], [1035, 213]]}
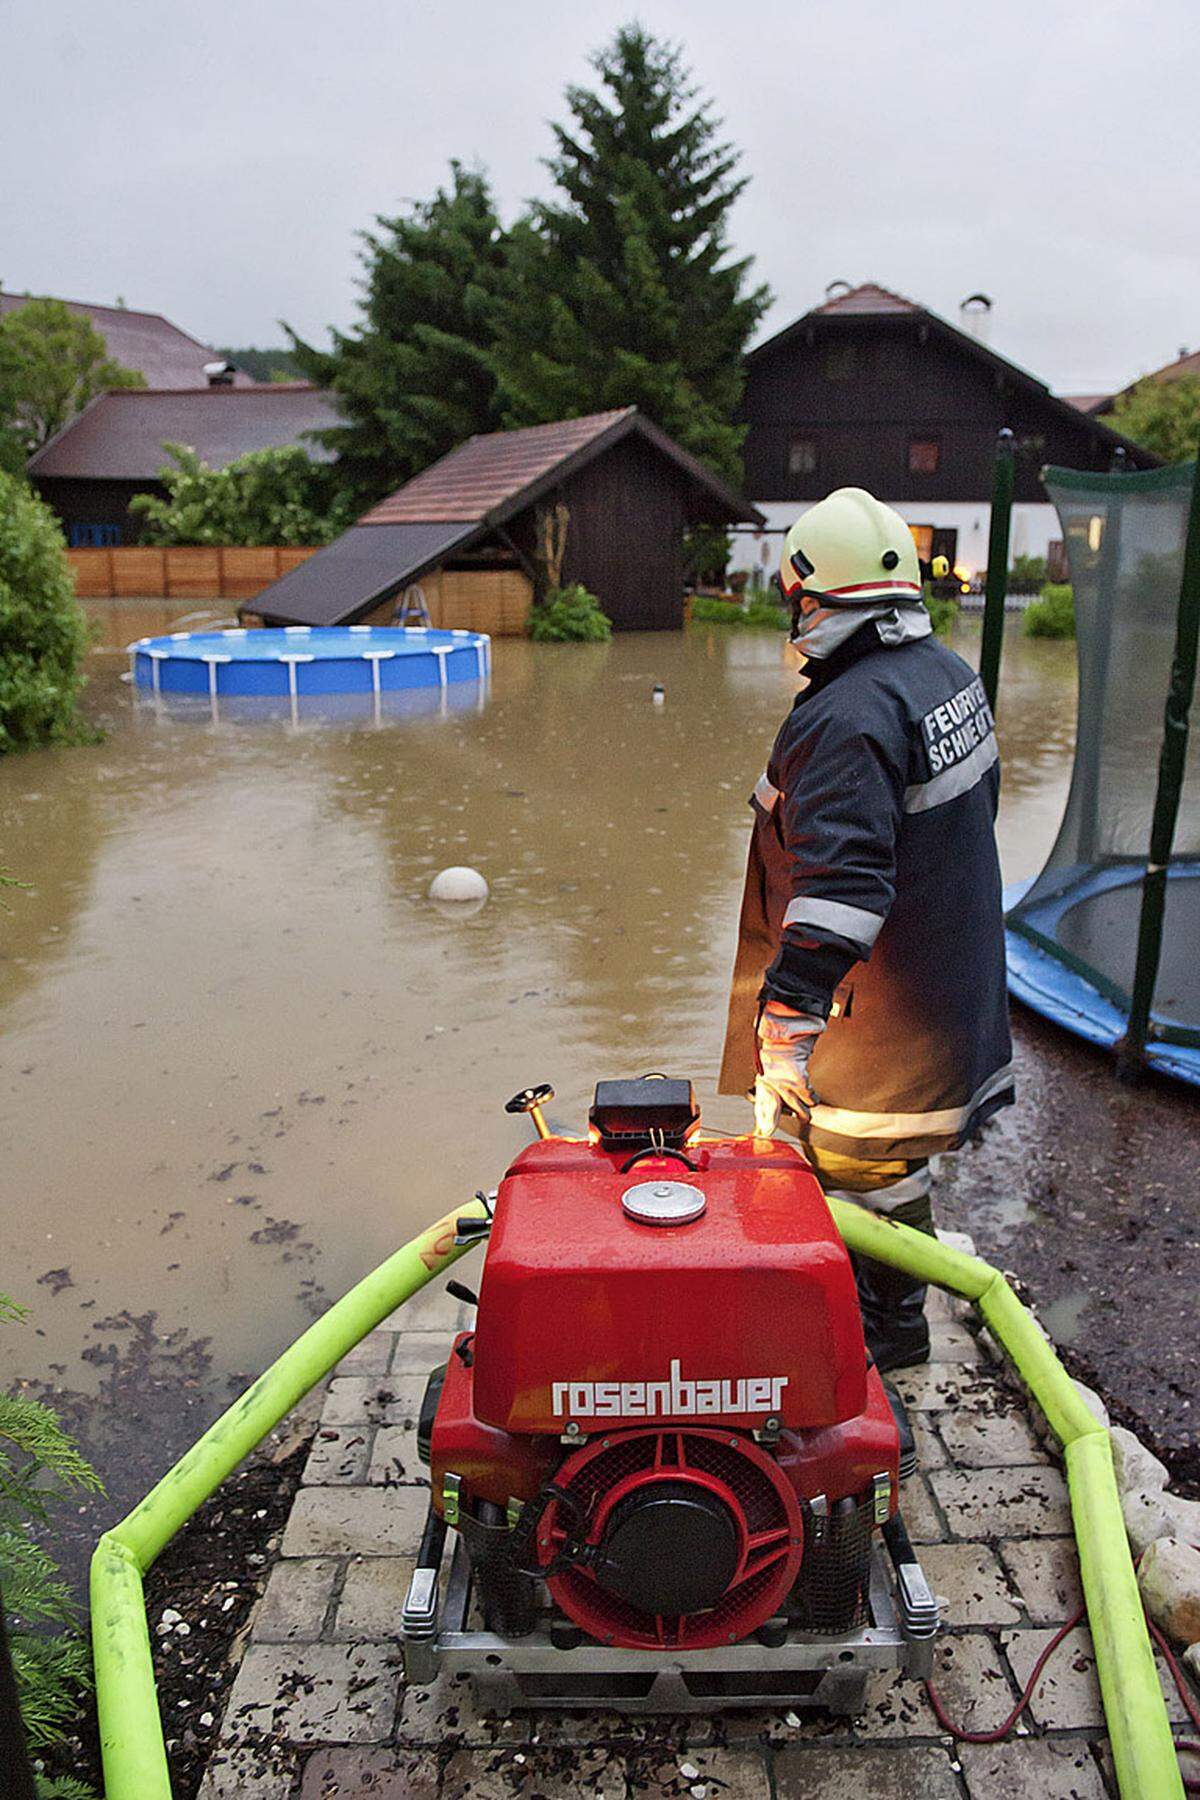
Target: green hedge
{"points": [[569, 615], [707, 610], [1052, 614], [44, 633]]}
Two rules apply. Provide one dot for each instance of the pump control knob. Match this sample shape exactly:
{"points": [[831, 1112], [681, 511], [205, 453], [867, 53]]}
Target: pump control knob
{"points": [[529, 1099]]}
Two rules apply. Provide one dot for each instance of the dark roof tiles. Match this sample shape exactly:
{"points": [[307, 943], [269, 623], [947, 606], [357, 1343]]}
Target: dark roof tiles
{"points": [[163, 354], [120, 436], [868, 297], [488, 470]]}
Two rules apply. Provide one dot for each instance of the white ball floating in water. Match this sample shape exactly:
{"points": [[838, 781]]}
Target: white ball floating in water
{"points": [[458, 884]]}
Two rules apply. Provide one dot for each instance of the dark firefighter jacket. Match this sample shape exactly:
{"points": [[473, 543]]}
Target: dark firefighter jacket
{"points": [[873, 898]]}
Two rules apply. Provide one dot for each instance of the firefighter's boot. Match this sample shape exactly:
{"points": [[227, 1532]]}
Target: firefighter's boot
{"points": [[893, 1302]]}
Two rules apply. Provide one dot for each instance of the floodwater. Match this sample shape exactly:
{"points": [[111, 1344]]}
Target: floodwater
{"points": [[242, 1056]]}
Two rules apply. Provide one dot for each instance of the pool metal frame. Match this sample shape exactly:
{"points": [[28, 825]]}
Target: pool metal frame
{"points": [[157, 650]]}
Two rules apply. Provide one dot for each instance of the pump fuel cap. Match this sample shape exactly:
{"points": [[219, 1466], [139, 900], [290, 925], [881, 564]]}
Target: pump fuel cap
{"points": [[663, 1202]]}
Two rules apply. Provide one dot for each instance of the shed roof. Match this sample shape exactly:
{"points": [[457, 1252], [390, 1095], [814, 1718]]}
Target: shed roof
{"points": [[490, 469], [120, 435], [358, 571], [468, 493], [166, 356], [499, 473]]}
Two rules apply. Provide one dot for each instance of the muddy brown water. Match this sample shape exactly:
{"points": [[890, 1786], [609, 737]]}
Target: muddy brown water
{"points": [[242, 1056]]}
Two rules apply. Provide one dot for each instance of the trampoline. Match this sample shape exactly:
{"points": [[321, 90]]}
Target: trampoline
{"points": [[1106, 939], [299, 660]]}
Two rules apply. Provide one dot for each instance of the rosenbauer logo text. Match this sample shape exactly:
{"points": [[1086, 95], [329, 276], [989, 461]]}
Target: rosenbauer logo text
{"points": [[674, 1398]]}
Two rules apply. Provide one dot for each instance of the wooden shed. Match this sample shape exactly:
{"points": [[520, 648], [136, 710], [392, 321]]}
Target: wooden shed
{"points": [[469, 530]]}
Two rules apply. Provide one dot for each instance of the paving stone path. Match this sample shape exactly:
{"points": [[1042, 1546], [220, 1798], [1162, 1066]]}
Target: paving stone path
{"points": [[319, 1709]]}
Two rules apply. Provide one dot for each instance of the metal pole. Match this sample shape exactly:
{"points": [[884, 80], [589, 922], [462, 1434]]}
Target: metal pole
{"points": [[1172, 762], [997, 565], [14, 1758]]}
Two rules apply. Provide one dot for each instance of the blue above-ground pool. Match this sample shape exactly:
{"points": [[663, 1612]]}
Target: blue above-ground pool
{"points": [[297, 660]]}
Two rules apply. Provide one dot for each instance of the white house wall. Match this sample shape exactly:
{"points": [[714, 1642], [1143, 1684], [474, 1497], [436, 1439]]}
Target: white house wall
{"points": [[1034, 527]]}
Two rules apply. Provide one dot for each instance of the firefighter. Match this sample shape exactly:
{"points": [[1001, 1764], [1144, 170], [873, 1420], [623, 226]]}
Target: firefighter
{"points": [[868, 1008]]}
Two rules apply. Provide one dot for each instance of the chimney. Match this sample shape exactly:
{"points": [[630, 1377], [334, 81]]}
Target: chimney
{"points": [[220, 374], [975, 314]]}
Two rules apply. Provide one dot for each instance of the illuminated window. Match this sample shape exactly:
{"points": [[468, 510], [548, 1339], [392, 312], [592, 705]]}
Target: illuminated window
{"points": [[923, 539], [840, 362], [802, 456], [924, 454]]}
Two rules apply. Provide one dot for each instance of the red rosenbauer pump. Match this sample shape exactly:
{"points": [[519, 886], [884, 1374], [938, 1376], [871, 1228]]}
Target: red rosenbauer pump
{"points": [[663, 1434]]}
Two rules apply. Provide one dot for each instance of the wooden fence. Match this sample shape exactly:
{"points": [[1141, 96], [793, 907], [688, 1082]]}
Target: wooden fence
{"points": [[493, 600], [225, 572]]}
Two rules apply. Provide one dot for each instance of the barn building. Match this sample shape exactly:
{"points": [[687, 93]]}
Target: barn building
{"points": [[470, 530], [90, 470], [872, 390]]}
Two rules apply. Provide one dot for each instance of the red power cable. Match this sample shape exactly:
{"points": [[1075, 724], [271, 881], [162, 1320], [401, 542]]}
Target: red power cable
{"points": [[963, 1736]]}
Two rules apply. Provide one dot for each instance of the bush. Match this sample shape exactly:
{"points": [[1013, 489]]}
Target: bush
{"points": [[706, 551], [39, 1466], [758, 612], [1028, 575], [277, 496], [1052, 615], [569, 615], [942, 609], [44, 633]]}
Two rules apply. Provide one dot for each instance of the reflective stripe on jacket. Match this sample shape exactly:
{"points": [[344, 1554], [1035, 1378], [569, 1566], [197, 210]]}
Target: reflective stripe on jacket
{"points": [[873, 895]]}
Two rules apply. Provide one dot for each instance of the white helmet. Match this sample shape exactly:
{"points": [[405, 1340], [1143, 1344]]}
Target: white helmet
{"points": [[850, 550]]}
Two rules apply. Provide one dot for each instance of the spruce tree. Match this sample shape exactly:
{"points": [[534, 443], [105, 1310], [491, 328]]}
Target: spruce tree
{"points": [[413, 378], [620, 292]]}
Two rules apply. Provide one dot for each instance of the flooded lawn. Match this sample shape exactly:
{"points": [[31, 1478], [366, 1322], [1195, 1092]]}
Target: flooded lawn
{"points": [[242, 1056]]}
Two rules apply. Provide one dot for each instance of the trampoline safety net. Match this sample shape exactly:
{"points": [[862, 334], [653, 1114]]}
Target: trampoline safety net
{"points": [[1125, 537]]}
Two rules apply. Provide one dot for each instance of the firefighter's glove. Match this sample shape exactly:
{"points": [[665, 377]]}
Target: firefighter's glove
{"points": [[786, 1040]]}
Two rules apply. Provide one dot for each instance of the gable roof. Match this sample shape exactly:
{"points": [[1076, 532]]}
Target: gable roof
{"points": [[499, 473], [868, 297], [119, 436], [489, 470], [469, 493], [870, 300], [163, 354], [1085, 403]]}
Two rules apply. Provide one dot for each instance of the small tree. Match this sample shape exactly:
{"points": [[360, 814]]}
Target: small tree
{"points": [[52, 362], [43, 631], [414, 377], [40, 1467], [277, 496], [620, 291], [1164, 416]]}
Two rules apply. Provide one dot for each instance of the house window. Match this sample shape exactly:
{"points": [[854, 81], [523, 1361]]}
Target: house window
{"points": [[802, 456], [840, 362], [923, 539], [924, 454]]}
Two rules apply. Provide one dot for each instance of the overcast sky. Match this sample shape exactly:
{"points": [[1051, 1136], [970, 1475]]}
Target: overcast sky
{"points": [[213, 162]]}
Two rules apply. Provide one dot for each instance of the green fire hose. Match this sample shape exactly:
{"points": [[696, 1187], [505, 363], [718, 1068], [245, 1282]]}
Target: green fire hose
{"points": [[1138, 1727], [131, 1738]]}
